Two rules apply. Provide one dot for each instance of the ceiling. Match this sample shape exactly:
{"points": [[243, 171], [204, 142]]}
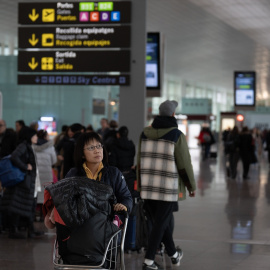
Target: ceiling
{"points": [[205, 40]]}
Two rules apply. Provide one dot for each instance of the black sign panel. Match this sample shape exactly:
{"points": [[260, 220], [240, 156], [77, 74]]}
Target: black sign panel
{"points": [[74, 37], [74, 79], [245, 89], [75, 13], [74, 61]]}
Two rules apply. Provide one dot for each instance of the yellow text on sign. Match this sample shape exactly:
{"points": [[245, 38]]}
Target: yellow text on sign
{"points": [[47, 63], [47, 40], [48, 15]]}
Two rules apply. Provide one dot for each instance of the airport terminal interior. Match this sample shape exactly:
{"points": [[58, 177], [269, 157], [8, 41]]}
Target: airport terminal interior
{"points": [[227, 225]]}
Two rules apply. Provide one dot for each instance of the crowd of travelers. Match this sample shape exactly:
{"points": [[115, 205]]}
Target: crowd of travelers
{"points": [[246, 145], [47, 160], [79, 154]]}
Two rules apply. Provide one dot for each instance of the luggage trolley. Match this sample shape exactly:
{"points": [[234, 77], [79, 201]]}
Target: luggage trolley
{"points": [[110, 256]]}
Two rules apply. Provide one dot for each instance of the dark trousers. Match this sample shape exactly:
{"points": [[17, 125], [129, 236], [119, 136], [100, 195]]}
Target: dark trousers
{"points": [[206, 150], [246, 163], [162, 215], [233, 159]]}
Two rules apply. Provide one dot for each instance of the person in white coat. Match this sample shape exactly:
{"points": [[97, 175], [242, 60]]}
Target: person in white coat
{"points": [[46, 158]]}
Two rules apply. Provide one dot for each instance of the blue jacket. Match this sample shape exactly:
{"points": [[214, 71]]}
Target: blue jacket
{"points": [[113, 177]]}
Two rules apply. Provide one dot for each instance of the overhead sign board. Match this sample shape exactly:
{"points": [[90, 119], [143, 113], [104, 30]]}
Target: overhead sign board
{"points": [[74, 79], [75, 13], [74, 61], [74, 37]]}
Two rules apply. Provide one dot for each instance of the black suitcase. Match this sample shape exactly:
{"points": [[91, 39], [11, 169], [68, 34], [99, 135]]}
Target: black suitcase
{"points": [[130, 239]]}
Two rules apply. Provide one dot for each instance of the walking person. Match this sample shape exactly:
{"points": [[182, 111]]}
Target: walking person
{"points": [[67, 145], [164, 172], [110, 137], [206, 139], [7, 140], [19, 124], [122, 151], [57, 139], [258, 146], [267, 148], [46, 157], [232, 148], [105, 127], [246, 150], [19, 201]]}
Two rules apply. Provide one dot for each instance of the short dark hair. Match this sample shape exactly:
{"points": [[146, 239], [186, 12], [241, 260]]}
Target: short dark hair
{"points": [[42, 133], [76, 127], [26, 133], [64, 128], [82, 140], [21, 123], [113, 124], [105, 119], [245, 129], [123, 132]]}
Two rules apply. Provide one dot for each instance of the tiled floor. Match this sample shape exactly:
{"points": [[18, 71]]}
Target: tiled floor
{"points": [[225, 227]]}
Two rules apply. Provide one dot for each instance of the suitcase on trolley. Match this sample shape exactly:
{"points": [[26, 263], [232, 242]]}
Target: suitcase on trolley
{"points": [[113, 257]]}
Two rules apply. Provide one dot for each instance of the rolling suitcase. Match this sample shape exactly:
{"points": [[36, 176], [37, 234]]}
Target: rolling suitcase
{"points": [[130, 240]]}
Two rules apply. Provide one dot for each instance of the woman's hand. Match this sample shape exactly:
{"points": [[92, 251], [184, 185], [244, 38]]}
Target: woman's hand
{"points": [[49, 219], [29, 167], [119, 207], [60, 157]]}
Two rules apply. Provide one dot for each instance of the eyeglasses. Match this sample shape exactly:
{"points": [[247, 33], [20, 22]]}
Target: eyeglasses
{"points": [[92, 147]]}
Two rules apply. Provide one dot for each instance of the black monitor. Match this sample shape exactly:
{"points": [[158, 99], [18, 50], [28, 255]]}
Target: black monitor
{"points": [[245, 89], [153, 61]]}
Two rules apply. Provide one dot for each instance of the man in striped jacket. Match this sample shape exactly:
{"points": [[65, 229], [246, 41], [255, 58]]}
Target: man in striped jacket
{"points": [[164, 172]]}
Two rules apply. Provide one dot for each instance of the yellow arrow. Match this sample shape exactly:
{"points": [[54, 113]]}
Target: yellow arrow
{"points": [[33, 41], [33, 64], [33, 16]]}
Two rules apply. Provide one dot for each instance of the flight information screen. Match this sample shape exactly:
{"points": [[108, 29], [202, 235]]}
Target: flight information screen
{"points": [[152, 61], [245, 88]]}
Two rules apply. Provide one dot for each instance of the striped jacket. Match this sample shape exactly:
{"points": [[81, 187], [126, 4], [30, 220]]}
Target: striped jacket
{"points": [[164, 168]]}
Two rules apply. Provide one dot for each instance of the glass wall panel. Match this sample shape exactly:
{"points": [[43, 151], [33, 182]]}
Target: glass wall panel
{"points": [[68, 104]]}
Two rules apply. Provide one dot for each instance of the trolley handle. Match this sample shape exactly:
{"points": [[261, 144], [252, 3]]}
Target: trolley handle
{"points": [[124, 213]]}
